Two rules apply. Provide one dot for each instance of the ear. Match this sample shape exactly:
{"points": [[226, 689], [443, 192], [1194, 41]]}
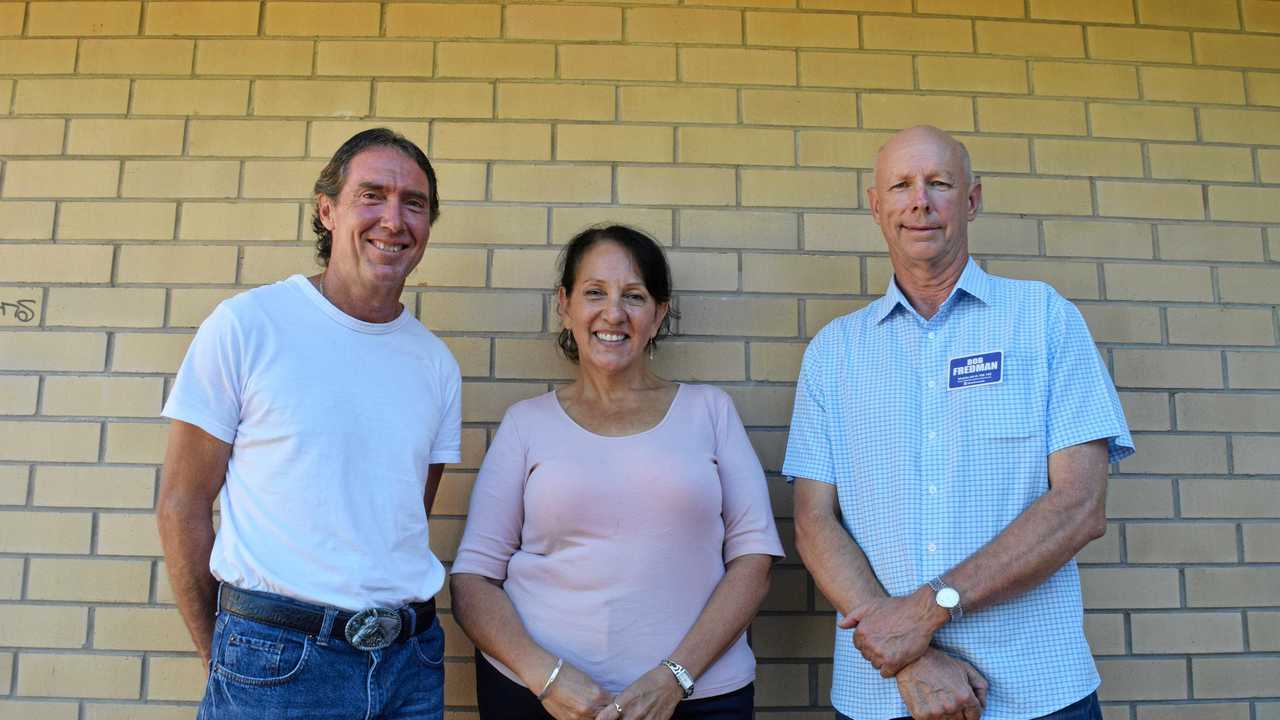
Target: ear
{"points": [[324, 208], [975, 199], [660, 314], [873, 202], [562, 303]]}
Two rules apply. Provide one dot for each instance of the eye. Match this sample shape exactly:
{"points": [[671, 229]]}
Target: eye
{"points": [[898, 186], [593, 292], [941, 184], [635, 297]]}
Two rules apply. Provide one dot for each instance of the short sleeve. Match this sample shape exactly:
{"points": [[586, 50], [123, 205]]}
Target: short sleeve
{"points": [[447, 446], [808, 445], [495, 518], [749, 527], [1082, 401], [210, 385]]}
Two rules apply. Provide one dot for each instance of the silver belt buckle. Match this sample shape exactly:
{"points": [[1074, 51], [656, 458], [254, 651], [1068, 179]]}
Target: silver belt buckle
{"points": [[373, 628]]}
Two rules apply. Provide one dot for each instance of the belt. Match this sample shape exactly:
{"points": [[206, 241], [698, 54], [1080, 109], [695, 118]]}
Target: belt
{"points": [[370, 629]]}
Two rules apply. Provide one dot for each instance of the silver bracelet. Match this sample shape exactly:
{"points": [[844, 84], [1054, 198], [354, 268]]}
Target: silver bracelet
{"points": [[555, 673]]}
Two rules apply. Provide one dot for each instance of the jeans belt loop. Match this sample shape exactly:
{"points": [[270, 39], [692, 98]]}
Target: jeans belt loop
{"points": [[217, 602], [326, 628], [413, 620]]}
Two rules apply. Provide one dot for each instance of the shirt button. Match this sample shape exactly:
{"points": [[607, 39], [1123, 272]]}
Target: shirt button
{"points": [[932, 434], [931, 334], [931, 547], [933, 489], [930, 384]]}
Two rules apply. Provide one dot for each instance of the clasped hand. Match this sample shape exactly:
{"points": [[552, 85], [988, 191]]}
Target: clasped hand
{"points": [[575, 696], [891, 632]]}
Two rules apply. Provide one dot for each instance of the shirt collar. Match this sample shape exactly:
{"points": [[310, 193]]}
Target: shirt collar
{"points": [[973, 281]]}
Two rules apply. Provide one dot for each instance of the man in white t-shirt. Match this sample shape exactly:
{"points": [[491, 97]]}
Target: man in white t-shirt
{"points": [[320, 413]]}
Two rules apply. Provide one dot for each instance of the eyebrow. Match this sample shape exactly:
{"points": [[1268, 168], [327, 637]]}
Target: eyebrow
{"points": [[368, 185]]}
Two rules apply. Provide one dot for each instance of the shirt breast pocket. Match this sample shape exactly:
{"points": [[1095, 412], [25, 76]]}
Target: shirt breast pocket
{"points": [[998, 413]]}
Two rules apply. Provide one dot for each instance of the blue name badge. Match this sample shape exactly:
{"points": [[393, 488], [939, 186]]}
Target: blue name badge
{"points": [[974, 370]]}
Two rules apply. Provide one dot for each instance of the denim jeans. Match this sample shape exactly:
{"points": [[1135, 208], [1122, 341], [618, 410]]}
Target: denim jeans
{"points": [[263, 672], [1084, 709]]}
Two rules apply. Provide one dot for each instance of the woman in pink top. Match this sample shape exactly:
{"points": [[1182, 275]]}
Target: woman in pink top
{"points": [[620, 536]]}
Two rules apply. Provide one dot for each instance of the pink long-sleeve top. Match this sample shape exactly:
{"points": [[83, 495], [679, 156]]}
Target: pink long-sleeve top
{"points": [[610, 547]]}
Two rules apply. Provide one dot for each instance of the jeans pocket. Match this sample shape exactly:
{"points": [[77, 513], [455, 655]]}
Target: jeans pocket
{"points": [[429, 646], [255, 654]]}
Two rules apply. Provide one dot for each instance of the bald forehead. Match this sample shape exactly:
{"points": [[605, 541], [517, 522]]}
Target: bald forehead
{"points": [[925, 139]]}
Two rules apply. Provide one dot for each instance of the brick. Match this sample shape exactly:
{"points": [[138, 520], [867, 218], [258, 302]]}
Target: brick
{"points": [[1198, 162], [61, 178], [1122, 323], [837, 148], [190, 97], [22, 307], [899, 111], [1072, 279], [146, 712], [95, 395], [89, 580], [1261, 16], [1229, 498], [234, 138], [1181, 543], [738, 229], [1269, 165], [799, 107], [1029, 39], [530, 360], [453, 267], [180, 178], [1244, 204], [776, 362], [324, 98], [761, 317], [575, 101], [532, 22], [192, 17], [683, 25], [446, 20], [641, 103], [37, 57], [149, 352], [239, 221], [462, 181], [1262, 544], [995, 154], [55, 263], [1258, 51], [1262, 88], [972, 74], [799, 188], [1150, 200], [739, 67], [1041, 196], [1233, 412], [101, 307], [11, 19], [1139, 497], [125, 137], [492, 225], [892, 6], [495, 60], [42, 626], [136, 57], [484, 141], [807, 274], [1206, 13], [782, 684], [633, 143], [140, 629], [1137, 121], [931, 34], [434, 99], [284, 179], [116, 221], [1220, 326], [1105, 549], [1264, 626], [676, 186], [1198, 711], [128, 534], [1105, 633], [1168, 368], [736, 146], [1142, 679], [18, 397], [499, 312], [1249, 285], [1088, 158], [567, 222], [77, 486], [46, 532], [196, 264], [991, 8], [52, 351], [485, 402], [1187, 85], [1235, 677], [553, 183], [763, 405], [19, 710], [617, 62], [1258, 370], [1232, 587], [321, 18], [1146, 410], [700, 361], [188, 307], [175, 678], [1105, 11], [792, 636], [327, 136], [1131, 281], [392, 58], [842, 233], [13, 491], [856, 70], [1084, 79], [1255, 455], [90, 676], [1141, 45], [789, 29], [83, 18], [817, 313], [262, 265], [1041, 117], [1088, 238], [26, 221], [254, 57], [1209, 242]]}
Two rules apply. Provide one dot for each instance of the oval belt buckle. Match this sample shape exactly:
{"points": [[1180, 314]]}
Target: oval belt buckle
{"points": [[373, 628]]}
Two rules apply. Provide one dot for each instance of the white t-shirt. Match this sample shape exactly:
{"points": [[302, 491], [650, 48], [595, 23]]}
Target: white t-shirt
{"points": [[333, 422]]}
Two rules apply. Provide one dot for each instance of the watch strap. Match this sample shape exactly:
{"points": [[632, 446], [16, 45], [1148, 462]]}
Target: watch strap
{"points": [[683, 678], [937, 584]]}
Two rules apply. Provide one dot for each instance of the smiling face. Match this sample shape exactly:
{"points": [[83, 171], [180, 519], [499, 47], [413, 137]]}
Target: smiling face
{"points": [[380, 222], [610, 312], [923, 200]]}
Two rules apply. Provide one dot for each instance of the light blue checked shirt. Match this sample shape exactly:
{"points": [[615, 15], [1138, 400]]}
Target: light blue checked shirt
{"points": [[936, 434]]}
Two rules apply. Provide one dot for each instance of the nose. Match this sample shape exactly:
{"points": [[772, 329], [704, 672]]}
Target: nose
{"points": [[920, 198], [613, 311], [392, 215]]}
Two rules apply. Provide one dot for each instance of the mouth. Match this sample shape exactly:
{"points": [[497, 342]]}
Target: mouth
{"points": [[609, 337], [922, 228], [387, 247]]}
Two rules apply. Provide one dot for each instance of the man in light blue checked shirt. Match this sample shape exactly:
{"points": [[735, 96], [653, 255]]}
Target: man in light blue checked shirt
{"points": [[949, 447]]}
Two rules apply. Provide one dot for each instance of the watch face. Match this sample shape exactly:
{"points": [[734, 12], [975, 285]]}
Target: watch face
{"points": [[948, 598]]}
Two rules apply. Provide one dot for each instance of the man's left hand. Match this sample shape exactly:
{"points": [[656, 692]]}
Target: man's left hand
{"points": [[653, 696], [892, 632]]}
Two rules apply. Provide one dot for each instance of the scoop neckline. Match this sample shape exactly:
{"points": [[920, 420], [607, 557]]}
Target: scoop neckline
{"points": [[555, 400]]}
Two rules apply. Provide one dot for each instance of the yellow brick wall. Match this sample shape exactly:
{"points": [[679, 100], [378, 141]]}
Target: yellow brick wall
{"points": [[157, 157]]}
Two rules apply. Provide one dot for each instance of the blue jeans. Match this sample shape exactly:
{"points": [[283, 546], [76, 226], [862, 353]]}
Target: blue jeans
{"points": [[1084, 709], [263, 672]]}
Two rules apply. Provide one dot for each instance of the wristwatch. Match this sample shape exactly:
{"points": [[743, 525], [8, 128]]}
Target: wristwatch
{"points": [[947, 598], [682, 676]]}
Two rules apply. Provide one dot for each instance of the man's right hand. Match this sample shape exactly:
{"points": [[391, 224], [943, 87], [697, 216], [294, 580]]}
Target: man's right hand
{"points": [[574, 696], [940, 687]]}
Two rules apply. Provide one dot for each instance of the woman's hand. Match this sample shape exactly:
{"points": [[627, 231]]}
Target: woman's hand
{"points": [[574, 696], [651, 697]]}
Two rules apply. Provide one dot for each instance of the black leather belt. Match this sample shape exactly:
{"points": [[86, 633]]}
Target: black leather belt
{"points": [[370, 629]]}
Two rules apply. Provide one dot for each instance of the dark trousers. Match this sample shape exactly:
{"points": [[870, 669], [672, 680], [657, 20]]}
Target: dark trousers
{"points": [[1085, 709], [501, 699]]}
